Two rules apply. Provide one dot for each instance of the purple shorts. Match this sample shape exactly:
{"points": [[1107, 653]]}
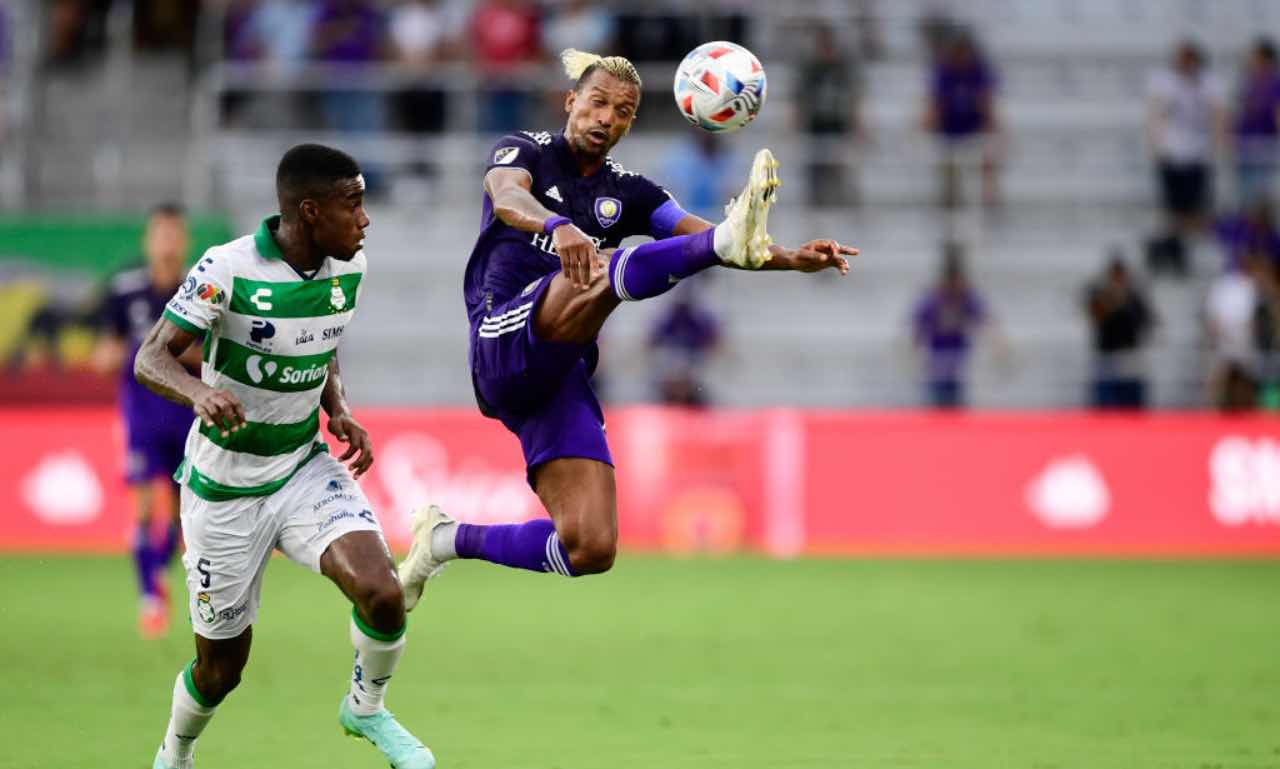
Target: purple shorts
{"points": [[155, 435], [540, 390]]}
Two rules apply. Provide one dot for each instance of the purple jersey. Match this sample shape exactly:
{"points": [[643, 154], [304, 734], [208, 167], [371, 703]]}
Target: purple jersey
{"points": [[1259, 101], [609, 205], [156, 427], [960, 93]]}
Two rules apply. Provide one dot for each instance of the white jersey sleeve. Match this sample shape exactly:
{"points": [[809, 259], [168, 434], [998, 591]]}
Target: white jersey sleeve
{"points": [[204, 296]]}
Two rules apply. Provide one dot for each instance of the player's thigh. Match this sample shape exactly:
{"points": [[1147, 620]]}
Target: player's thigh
{"points": [[228, 544], [570, 314], [516, 371], [581, 496], [320, 504]]}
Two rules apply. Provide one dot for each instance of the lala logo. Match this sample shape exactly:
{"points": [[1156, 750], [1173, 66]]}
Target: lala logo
{"points": [[608, 211]]}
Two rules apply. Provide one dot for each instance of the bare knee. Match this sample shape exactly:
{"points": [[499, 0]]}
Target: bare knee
{"points": [[593, 553], [380, 601]]}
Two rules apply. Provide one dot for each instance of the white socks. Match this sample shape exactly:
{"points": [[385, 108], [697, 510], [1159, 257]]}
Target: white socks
{"points": [[186, 721], [442, 542], [722, 242], [376, 659]]}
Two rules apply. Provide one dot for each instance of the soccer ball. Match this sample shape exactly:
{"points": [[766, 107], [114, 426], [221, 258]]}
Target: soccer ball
{"points": [[720, 86]]}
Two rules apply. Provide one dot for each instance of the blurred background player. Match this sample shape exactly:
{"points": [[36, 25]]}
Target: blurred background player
{"points": [[155, 429]]}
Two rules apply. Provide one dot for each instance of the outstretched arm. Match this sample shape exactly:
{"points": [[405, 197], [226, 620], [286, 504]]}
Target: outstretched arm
{"points": [[158, 369], [510, 189], [812, 256]]}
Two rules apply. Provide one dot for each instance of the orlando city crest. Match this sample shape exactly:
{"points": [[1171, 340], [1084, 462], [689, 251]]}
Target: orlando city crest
{"points": [[608, 211], [336, 298]]}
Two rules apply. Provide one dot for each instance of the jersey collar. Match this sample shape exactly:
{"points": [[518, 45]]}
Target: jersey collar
{"points": [[264, 240]]}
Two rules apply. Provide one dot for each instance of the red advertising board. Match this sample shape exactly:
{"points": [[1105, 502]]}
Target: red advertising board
{"points": [[782, 481]]}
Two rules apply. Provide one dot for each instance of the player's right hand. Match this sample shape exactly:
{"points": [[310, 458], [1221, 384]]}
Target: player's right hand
{"points": [[219, 408], [577, 255]]}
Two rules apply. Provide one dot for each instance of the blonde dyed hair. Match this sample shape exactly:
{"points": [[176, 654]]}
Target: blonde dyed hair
{"points": [[578, 64]]}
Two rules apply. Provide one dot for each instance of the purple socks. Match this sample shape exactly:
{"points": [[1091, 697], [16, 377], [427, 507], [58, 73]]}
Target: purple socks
{"points": [[533, 546], [150, 558], [650, 269]]}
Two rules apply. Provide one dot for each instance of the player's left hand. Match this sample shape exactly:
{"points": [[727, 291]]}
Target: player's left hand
{"points": [[345, 428], [812, 256]]}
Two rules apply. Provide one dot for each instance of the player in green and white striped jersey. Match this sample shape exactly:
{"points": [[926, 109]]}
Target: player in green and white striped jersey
{"points": [[271, 308]]}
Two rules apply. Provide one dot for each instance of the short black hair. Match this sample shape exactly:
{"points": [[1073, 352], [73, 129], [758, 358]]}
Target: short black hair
{"points": [[168, 208], [311, 171]]}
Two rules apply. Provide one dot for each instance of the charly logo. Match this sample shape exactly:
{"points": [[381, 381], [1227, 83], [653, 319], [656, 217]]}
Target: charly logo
{"points": [[260, 331], [505, 155], [258, 370], [337, 299], [608, 211], [260, 297], [204, 607]]}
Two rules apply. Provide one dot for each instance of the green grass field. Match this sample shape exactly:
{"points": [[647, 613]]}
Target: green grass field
{"points": [[703, 663]]}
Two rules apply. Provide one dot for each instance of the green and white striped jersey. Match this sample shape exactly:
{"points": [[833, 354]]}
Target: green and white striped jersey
{"points": [[268, 337]]}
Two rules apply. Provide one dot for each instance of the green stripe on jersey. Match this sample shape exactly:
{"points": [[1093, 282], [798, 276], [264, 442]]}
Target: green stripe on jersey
{"points": [[182, 323], [295, 299], [277, 373], [208, 489], [264, 439]]}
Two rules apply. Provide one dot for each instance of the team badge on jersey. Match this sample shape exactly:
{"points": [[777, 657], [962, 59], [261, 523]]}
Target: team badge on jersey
{"points": [[337, 299], [505, 155], [211, 293], [608, 211]]}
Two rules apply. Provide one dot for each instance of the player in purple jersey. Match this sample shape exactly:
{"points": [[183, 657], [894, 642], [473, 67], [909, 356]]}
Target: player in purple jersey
{"points": [[155, 429], [544, 276]]}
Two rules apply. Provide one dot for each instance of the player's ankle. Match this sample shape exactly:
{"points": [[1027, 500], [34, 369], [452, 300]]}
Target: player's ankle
{"points": [[443, 541]]}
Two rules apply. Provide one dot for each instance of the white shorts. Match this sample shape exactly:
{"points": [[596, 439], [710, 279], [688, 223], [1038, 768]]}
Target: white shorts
{"points": [[228, 543]]}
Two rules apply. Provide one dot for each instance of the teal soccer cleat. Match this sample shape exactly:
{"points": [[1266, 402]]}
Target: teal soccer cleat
{"points": [[402, 749]]}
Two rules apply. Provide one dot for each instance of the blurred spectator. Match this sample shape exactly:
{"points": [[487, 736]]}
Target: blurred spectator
{"points": [[160, 25], [505, 36], [579, 24], [1253, 231], [423, 36], [681, 344], [1121, 319], [829, 91], [1185, 123], [702, 174], [962, 112], [1230, 308], [274, 32], [1257, 124], [1266, 333], [75, 28], [5, 46], [944, 323], [351, 33], [240, 41]]}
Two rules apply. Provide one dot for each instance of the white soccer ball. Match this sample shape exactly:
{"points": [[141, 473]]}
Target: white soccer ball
{"points": [[720, 86]]}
